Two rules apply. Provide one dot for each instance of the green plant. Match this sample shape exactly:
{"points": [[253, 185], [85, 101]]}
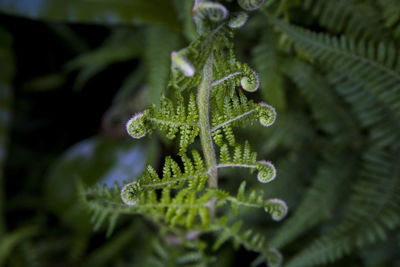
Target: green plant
{"points": [[330, 68], [186, 197]]}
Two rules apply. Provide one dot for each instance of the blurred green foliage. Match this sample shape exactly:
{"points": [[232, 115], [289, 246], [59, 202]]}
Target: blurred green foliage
{"points": [[72, 73]]}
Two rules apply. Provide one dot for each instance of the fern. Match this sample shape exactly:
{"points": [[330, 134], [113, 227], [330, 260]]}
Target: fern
{"points": [[326, 107], [354, 18], [250, 240], [266, 60], [375, 66], [157, 58], [369, 216], [186, 197], [391, 11], [321, 197], [168, 118]]}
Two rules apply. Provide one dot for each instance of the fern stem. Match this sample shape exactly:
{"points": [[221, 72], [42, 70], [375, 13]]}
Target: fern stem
{"points": [[174, 181], [236, 165], [203, 103], [225, 78], [170, 123], [242, 203], [232, 120]]}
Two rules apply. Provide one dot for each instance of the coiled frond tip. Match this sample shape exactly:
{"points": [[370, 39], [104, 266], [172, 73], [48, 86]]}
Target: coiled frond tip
{"points": [[181, 63], [210, 10], [238, 20], [250, 5], [277, 208], [129, 194], [136, 126], [266, 171], [250, 83], [267, 114]]}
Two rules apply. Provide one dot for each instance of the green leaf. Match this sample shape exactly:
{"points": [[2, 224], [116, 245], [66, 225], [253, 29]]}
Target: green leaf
{"points": [[159, 43], [92, 160], [10, 240], [109, 12]]}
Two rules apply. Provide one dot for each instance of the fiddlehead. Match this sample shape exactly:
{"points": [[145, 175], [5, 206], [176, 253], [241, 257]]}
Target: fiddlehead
{"points": [[250, 5], [238, 20]]}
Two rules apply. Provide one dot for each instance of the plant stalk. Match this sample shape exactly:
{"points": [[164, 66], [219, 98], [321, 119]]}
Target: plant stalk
{"points": [[203, 103]]}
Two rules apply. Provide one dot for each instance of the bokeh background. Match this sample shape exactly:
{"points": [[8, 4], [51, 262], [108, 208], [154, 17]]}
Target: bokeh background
{"points": [[72, 72]]}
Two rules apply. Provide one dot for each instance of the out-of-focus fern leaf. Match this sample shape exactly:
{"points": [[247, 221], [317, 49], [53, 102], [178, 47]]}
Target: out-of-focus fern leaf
{"points": [[12, 239], [371, 114], [327, 109], [106, 253], [188, 253], [184, 10], [320, 198], [69, 37], [107, 12], [248, 239], [373, 211], [266, 59], [300, 162], [287, 132], [159, 44], [391, 11], [354, 18], [122, 45], [374, 65]]}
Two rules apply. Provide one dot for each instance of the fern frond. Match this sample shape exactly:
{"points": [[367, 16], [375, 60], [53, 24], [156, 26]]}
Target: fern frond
{"points": [[102, 202], [266, 60], [391, 11], [157, 59], [374, 66], [255, 199], [248, 239], [317, 203], [245, 158], [327, 108], [194, 174], [371, 114], [188, 253], [235, 112], [181, 209], [373, 210], [360, 20], [170, 118], [250, 5]]}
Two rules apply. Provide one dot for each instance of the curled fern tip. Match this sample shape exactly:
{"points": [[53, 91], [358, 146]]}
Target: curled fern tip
{"points": [[277, 208], [250, 83], [181, 63], [136, 126], [129, 194], [267, 114], [250, 5], [266, 171], [211, 10], [238, 20]]}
